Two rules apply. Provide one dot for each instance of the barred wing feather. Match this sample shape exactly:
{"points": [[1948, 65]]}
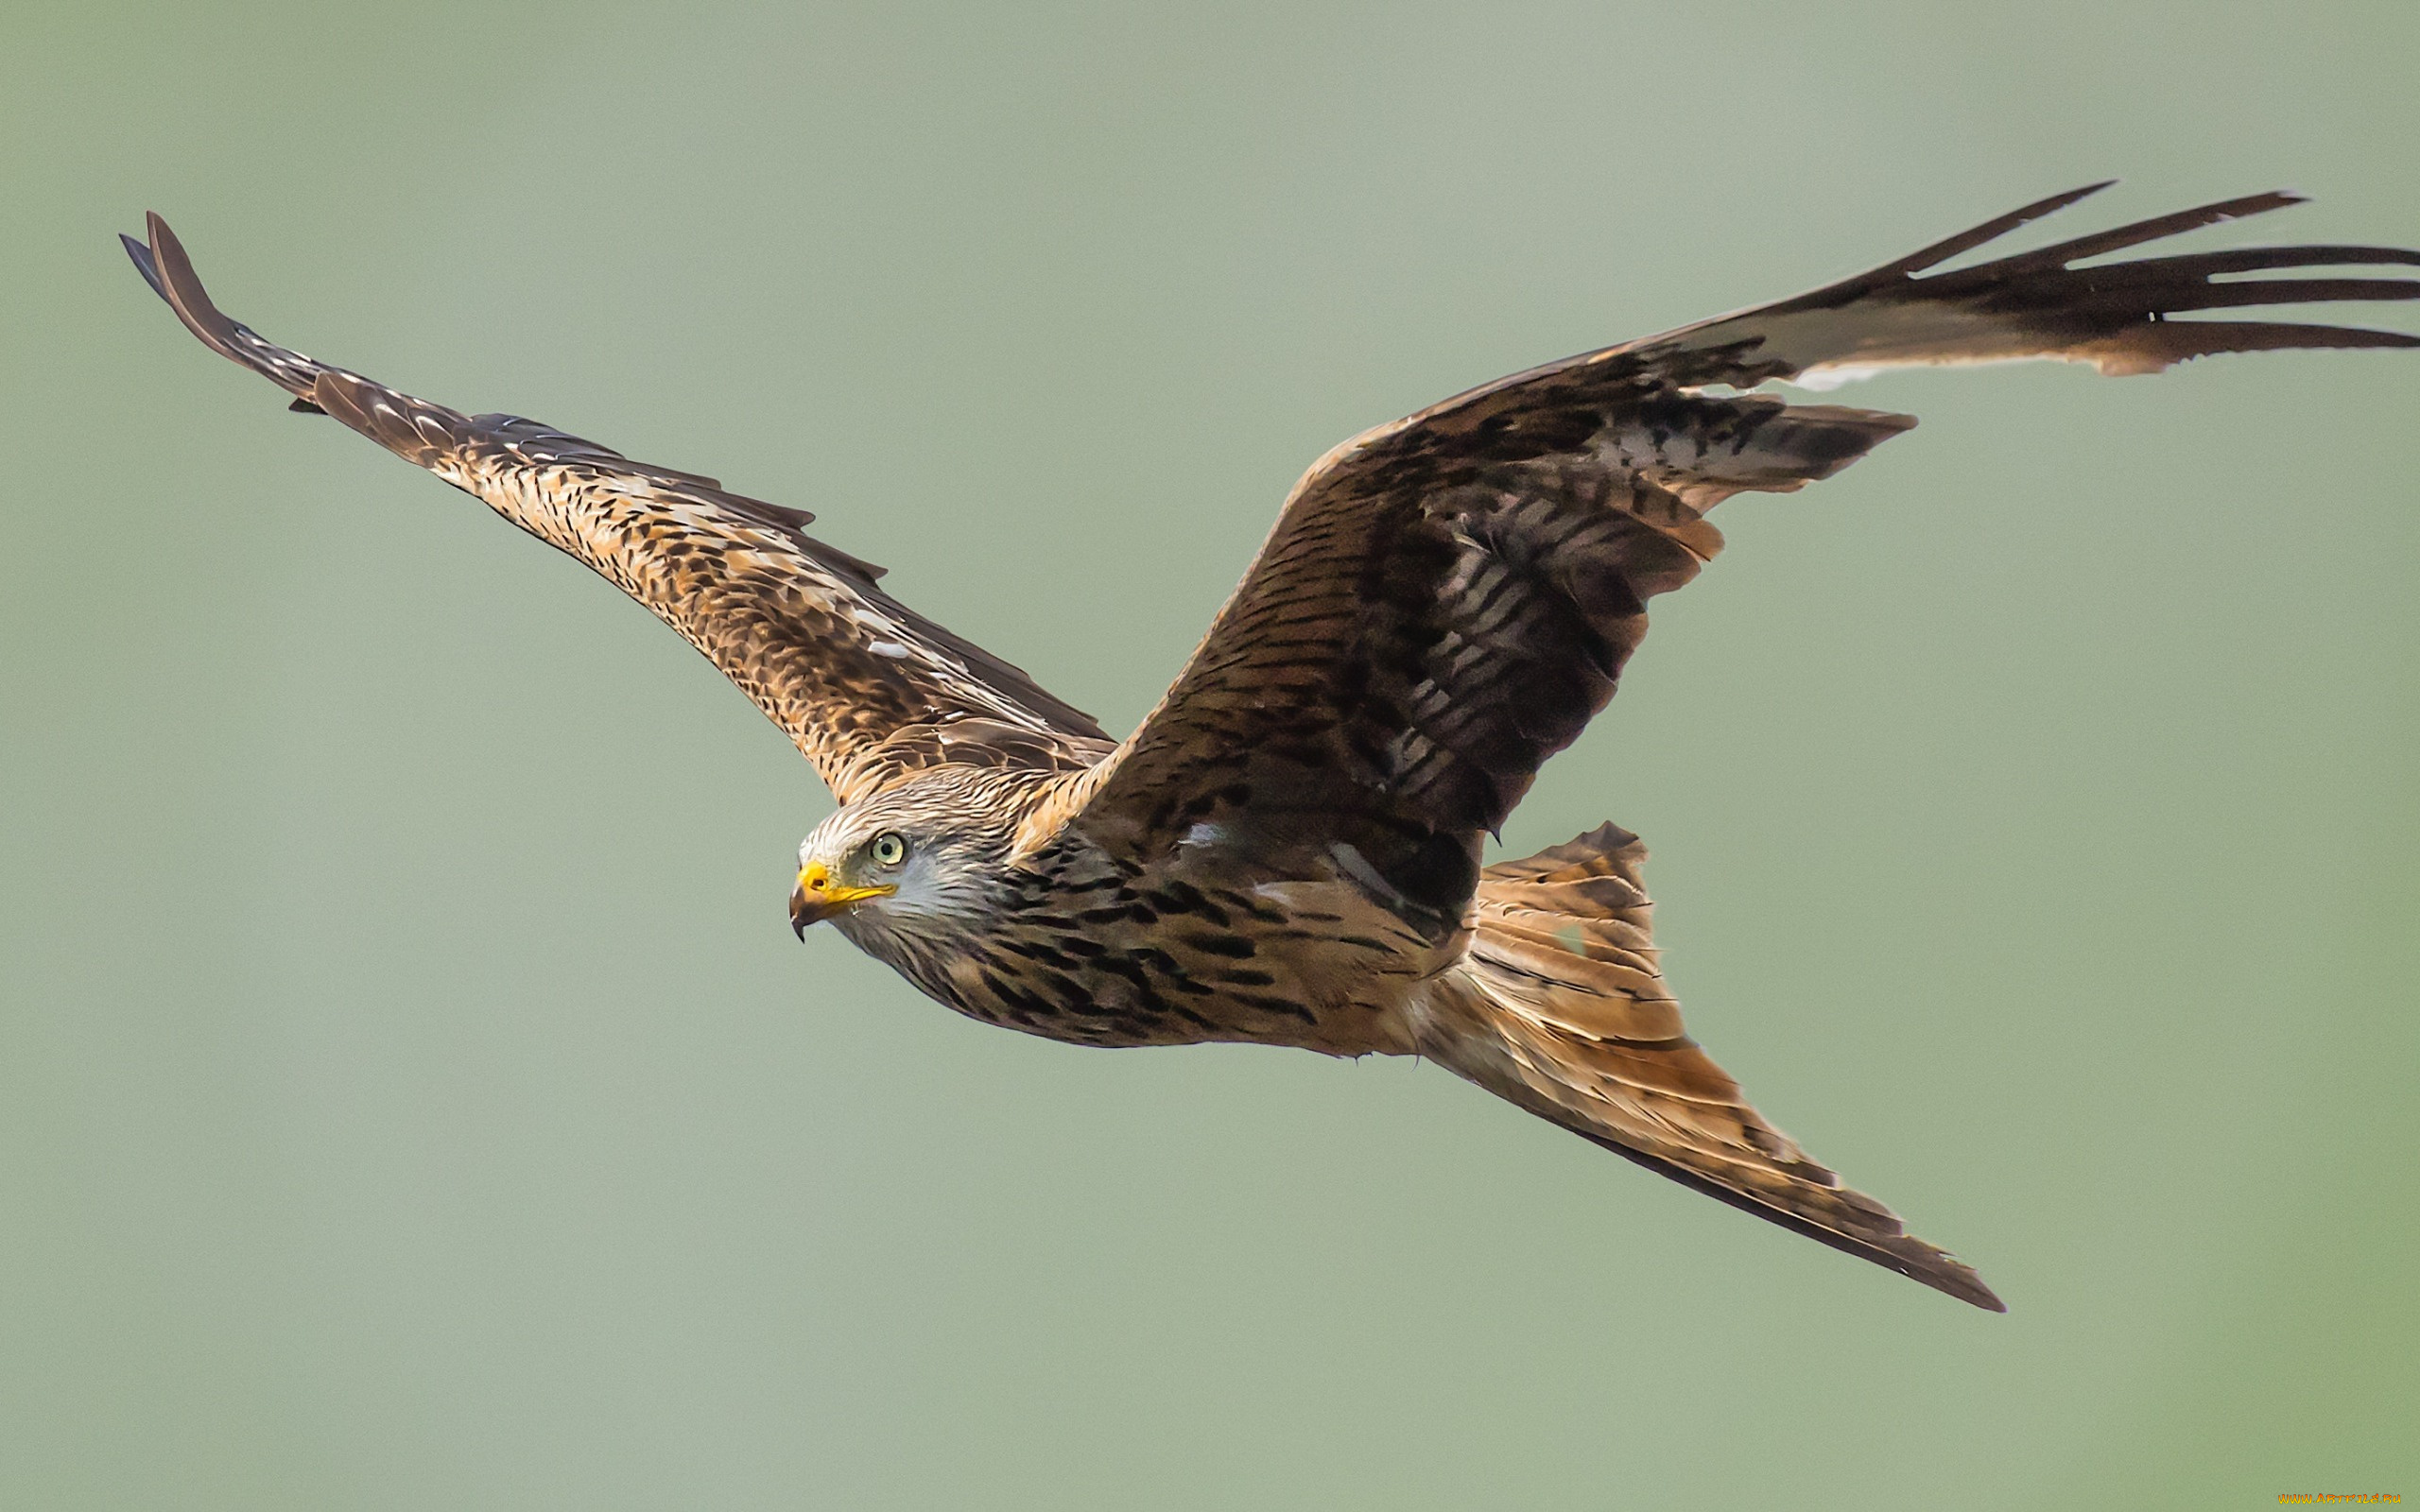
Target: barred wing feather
{"points": [[867, 689]]}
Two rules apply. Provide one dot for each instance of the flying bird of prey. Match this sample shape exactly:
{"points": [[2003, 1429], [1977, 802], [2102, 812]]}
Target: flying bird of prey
{"points": [[1288, 850]]}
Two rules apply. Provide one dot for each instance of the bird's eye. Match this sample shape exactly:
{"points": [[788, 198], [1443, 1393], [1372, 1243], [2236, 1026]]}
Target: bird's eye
{"points": [[887, 849]]}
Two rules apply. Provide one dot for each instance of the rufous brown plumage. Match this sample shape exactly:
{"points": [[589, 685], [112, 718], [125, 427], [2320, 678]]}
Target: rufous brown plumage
{"points": [[1288, 850]]}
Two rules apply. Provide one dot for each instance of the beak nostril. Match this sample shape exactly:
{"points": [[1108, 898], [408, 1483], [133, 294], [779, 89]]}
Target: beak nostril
{"points": [[819, 896]]}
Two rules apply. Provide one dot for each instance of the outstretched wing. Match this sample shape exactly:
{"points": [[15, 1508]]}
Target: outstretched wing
{"points": [[867, 689], [1446, 601]]}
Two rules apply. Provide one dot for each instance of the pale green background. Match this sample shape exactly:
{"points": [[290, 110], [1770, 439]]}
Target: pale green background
{"points": [[414, 1099]]}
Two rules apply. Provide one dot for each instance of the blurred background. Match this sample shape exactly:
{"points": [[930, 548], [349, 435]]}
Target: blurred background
{"points": [[410, 1094]]}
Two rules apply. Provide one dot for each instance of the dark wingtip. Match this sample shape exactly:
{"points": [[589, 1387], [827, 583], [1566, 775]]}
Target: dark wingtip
{"points": [[143, 263], [1942, 252], [173, 274], [169, 272], [2136, 232]]}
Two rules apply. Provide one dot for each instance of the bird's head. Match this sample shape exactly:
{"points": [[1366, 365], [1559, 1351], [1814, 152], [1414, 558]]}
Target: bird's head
{"points": [[914, 864]]}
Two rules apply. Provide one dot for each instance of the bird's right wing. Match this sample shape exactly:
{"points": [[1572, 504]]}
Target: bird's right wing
{"points": [[867, 689]]}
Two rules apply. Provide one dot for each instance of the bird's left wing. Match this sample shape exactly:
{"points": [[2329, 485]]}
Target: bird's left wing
{"points": [[867, 689], [1446, 601]]}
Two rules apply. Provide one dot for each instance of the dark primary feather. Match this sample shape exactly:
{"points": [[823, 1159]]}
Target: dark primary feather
{"points": [[1446, 601], [2118, 316], [867, 689]]}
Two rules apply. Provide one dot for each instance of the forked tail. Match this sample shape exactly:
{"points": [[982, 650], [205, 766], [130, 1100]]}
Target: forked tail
{"points": [[1560, 1008]]}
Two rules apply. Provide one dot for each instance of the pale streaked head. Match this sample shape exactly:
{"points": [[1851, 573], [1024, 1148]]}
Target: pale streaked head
{"points": [[912, 866]]}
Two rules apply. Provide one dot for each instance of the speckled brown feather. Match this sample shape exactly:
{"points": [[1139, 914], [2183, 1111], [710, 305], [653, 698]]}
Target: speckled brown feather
{"points": [[867, 689]]}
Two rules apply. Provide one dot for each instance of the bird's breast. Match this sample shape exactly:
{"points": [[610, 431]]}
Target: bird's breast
{"points": [[1177, 955]]}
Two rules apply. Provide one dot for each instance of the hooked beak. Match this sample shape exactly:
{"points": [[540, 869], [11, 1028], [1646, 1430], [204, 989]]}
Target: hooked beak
{"points": [[816, 897]]}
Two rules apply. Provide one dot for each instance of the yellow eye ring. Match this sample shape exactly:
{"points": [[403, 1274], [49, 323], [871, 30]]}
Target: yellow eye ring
{"points": [[889, 849]]}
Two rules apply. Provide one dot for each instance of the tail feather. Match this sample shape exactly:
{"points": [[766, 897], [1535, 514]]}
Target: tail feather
{"points": [[1563, 1010]]}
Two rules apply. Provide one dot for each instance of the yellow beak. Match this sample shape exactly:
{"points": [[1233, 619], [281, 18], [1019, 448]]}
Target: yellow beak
{"points": [[816, 898]]}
